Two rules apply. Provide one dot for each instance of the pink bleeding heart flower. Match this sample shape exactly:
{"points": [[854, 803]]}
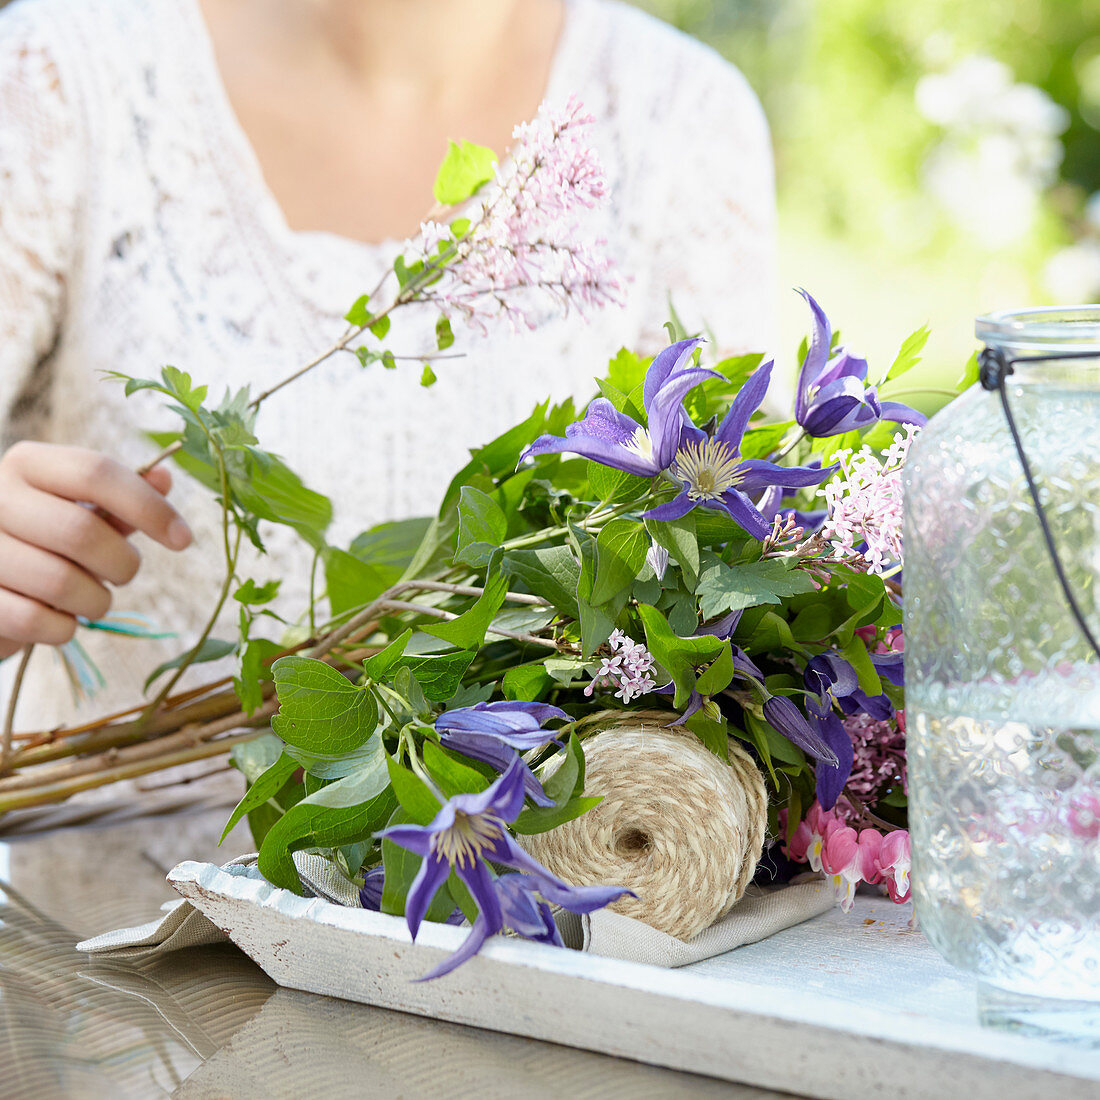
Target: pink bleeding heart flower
{"points": [[851, 858], [893, 864]]}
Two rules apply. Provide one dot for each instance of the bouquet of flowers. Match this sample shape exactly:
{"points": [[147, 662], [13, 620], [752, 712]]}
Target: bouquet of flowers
{"points": [[669, 550]]}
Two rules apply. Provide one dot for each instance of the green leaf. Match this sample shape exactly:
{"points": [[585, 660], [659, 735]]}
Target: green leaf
{"points": [[358, 315], [391, 545], [679, 656], [713, 733], [451, 774], [253, 671], [427, 376], [970, 373], [319, 709], [550, 572], [444, 336], [596, 620], [678, 537], [620, 554], [343, 812], [439, 677], [464, 169], [482, 527], [910, 353], [212, 649], [468, 630], [179, 385], [855, 652], [725, 588], [264, 787], [812, 623], [380, 327], [377, 666], [331, 765], [718, 676], [251, 593], [418, 802], [350, 582], [272, 491], [528, 683], [608, 484]]}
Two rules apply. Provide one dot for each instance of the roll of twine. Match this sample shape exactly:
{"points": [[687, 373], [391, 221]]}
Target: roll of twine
{"points": [[677, 825]]}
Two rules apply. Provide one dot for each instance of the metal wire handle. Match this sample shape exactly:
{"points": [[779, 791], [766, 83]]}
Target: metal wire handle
{"points": [[994, 369]]}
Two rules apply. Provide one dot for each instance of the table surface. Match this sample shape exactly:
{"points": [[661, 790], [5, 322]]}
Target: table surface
{"points": [[208, 1023]]}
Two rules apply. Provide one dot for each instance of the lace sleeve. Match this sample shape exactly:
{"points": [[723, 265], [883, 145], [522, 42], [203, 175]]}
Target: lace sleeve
{"points": [[38, 197], [714, 202]]}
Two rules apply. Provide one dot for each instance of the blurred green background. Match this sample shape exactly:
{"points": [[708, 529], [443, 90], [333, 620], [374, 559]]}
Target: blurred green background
{"points": [[935, 159]]}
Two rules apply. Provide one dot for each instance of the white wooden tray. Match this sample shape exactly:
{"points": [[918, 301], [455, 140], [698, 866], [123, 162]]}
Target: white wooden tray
{"points": [[844, 1006]]}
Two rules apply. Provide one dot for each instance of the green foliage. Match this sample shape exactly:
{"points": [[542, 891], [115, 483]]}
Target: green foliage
{"points": [[320, 710], [725, 588], [464, 169]]}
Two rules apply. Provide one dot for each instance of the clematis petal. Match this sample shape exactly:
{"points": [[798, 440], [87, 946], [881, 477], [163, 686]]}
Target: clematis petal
{"points": [[417, 838], [744, 512], [901, 414], [497, 754], [832, 777], [757, 473], [599, 450], [747, 401], [480, 931], [432, 874], [785, 718], [666, 413], [672, 509], [830, 674], [817, 355], [603, 421], [842, 365], [479, 881], [665, 364]]}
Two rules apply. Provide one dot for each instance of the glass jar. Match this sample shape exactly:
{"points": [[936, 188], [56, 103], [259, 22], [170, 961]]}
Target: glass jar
{"points": [[1002, 686]]}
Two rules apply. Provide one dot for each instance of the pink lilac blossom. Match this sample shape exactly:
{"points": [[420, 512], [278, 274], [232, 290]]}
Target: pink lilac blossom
{"points": [[878, 756], [865, 503], [824, 841], [527, 236], [627, 669]]}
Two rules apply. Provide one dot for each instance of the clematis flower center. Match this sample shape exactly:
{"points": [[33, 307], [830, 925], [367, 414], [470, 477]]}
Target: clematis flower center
{"points": [[464, 842], [708, 469]]}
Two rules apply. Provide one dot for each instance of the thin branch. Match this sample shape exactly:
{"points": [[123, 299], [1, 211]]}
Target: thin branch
{"points": [[499, 631], [9, 718], [190, 736]]}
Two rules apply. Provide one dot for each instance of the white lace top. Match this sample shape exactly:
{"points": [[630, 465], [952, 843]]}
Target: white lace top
{"points": [[136, 229]]}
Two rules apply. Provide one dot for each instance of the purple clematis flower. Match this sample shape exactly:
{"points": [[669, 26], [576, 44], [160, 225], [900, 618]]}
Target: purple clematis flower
{"points": [[713, 474], [468, 832], [785, 718], [833, 679], [493, 732], [610, 437], [832, 395]]}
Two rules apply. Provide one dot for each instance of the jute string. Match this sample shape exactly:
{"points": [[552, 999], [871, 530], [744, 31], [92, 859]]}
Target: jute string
{"points": [[677, 825]]}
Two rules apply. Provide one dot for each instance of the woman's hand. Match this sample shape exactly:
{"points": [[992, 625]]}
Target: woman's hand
{"points": [[65, 514]]}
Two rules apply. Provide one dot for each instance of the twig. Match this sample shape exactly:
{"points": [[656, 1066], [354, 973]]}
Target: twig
{"points": [[438, 613], [9, 718], [190, 736], [469, 590]]}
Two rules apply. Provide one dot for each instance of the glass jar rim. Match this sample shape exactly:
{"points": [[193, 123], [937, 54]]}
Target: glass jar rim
{"points": [[1042, 329]]}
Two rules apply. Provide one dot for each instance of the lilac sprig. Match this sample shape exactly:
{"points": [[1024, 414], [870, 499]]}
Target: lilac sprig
{"points": [[527, 234], [865, 504], [627, 669]]}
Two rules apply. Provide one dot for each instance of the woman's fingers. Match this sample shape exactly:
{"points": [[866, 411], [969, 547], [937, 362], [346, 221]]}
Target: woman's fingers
{"points": [[161, 480], [29, 571], [69, 530], [24, 620], [78, 474]]}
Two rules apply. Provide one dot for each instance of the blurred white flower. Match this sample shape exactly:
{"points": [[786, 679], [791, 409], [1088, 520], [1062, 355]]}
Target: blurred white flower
{"points": [[999, 151], [1072, 276]]}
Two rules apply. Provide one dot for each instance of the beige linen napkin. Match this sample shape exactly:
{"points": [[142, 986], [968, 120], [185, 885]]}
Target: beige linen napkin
{"points": [[760, 913]]}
